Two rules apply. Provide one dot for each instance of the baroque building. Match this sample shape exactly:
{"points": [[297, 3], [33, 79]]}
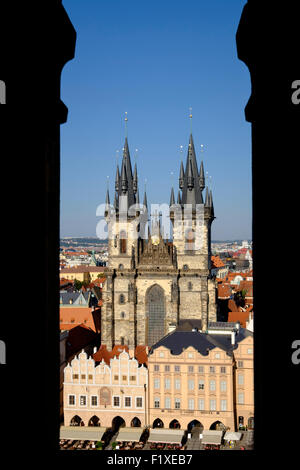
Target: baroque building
{"points": [[154, 282]]}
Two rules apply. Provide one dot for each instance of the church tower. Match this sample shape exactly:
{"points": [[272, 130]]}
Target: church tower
{"points": [[192, 218], [118, 322], [152, 283]]}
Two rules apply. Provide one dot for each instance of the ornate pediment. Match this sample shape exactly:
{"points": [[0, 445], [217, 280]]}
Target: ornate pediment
{"points": [[156, 252]]}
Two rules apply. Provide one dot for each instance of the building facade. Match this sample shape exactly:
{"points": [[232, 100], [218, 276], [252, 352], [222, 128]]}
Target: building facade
{"points": [[152, 282], [105, 395], [198, 379]]}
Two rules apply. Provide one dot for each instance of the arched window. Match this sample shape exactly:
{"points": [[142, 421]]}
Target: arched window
{"points": [[122, 299], [155, 301], [190, 286], [121, 266], [123, 242], [122, 314]]}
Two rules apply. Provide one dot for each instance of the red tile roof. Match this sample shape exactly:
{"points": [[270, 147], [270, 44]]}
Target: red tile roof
{"points": [[224, 291], [140, 353], [217, 262], [242, 317]]}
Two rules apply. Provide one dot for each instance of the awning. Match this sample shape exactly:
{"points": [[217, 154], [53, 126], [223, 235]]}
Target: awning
{"points": [[232, 436], [212, 437], [168, 436], [129, 434], [82, 433]]}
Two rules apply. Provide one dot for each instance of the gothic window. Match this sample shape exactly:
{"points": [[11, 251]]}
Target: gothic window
{"points": [[123, 242], [122, 314], [121, 266], [122, 299], [185, 267], [155, 301], [122, 340], [190, 286]]}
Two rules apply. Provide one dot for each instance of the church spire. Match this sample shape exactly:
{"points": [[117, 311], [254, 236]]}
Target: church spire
{"points": [[201, 177], [107, 203], [181, 176], [189, 180], [207, 197], [211, 204], [178, 197], [135, 179], [117, 181], [172, 198], [126, 184], [145, 200]]}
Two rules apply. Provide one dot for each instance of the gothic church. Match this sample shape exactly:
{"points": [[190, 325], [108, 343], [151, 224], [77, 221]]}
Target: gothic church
{"points": [[153, 283]]}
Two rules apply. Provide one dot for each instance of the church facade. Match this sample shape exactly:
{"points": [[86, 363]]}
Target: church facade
{"points": [[153, 283]]}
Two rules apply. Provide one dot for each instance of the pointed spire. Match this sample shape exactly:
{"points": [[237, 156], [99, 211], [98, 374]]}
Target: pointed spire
{"points": [[211, 204], [172, 198], [124, 181], [135, 179], [137, 196], [117, 181], [190, 177], [178, 198], [191, 188], [116, 201], [201, 177], [107, 203], [181, 176], [207, 197], [145, 200]]}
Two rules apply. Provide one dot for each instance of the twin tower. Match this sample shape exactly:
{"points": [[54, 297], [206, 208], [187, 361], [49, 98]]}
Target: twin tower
{"points": [[153, 283]]}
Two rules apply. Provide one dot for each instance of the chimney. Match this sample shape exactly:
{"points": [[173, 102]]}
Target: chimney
{"points": [[233, 338]]}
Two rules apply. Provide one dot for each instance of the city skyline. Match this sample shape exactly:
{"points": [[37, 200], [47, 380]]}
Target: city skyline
{"points": [[174, 57]]}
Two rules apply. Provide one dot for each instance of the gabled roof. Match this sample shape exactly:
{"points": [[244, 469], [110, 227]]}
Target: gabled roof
{"points": [[177, 341], [79, 337], [75, 298]]}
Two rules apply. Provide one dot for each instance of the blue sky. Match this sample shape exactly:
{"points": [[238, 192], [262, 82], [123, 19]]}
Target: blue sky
{"points": [[155, 59]]}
